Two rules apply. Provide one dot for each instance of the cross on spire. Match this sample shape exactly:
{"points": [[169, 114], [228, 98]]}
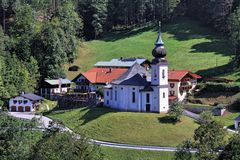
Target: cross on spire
{"points": [[159, 41]]}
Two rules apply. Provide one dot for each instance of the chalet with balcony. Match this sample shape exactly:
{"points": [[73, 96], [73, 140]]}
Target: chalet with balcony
{"points": [[181, 82], [53, 87]]}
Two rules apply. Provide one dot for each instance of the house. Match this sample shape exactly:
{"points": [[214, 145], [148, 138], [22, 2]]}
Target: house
{"points": [[123, 63], [51, 87], [181, 82], [237, 122], [96, 78], [144, 90], [25, 103]]}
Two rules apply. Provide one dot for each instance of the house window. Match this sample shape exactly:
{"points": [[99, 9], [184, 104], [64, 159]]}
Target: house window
{"points": [[133, 97], [107, 102], [172, 85], [19, 101], [133, 88], [107, 93], [14, 101], [163, 94], [147, 98], [25, 101], [172, 93], [163, 73]]}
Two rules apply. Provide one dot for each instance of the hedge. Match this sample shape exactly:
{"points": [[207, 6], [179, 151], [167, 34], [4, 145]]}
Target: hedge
{"points": [[221, 87]]}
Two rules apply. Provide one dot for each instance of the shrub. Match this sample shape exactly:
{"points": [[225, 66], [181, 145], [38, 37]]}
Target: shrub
{"points": [[222, 87]]}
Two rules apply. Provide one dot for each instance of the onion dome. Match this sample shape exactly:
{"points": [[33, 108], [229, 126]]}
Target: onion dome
{"points": [[159, 51]]}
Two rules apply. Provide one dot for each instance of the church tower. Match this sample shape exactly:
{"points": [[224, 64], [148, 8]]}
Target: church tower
{"points": [[159, 77]]}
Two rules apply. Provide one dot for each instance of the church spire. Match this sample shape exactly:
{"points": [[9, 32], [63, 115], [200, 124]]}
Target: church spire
{"points": [[159, 41]]}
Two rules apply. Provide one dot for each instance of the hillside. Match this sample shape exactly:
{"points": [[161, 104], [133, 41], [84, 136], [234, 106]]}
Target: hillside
{"points": [[189, 44]]}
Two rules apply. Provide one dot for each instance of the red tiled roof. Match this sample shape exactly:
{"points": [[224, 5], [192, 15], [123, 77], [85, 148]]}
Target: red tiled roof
{"points": [[194, 75], [177, 75], [103, 75]]}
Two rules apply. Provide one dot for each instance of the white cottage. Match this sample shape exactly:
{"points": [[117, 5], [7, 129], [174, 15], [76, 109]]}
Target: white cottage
{"points": [[25, 103]]}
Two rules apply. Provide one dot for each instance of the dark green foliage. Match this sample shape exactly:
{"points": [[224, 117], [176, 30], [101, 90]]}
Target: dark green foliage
{"points": [[231, 150], [208, 139], [206, 117], [214, 13], [234, 27], [184, 151], [62, 146], [221, 87], [16, 137], [175, 112]]}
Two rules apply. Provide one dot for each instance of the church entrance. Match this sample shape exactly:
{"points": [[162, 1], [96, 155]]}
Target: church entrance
{"points": [[147, 107]]}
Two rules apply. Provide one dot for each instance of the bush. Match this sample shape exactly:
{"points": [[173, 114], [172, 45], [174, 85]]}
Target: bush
{"points": [[222, 87]]}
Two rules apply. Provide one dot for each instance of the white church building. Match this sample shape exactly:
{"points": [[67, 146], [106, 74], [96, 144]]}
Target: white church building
{"points": [[142, 90]]}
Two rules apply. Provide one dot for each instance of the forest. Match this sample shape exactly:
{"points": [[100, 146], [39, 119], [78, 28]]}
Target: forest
{"points": [[39, 36]]}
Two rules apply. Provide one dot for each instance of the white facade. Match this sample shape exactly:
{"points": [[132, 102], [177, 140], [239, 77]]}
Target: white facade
{"points": [[20, 104], [135, 98]]}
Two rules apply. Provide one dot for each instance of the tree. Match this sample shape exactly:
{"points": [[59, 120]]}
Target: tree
{"points": [[208, 139], [184, 151], [13, 140], [62, 146], [22, 32], [206, 117], [175, 112], [231, 150], [72, 25], [234, 27]]}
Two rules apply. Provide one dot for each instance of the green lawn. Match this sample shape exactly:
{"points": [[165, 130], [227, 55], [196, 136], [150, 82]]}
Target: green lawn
{"points": [[126, 127], [129, 154], [189, 44], [46, 105], [228, 120]]}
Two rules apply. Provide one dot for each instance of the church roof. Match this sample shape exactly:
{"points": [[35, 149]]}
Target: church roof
{"points": [[130, 76], [136, 80]]}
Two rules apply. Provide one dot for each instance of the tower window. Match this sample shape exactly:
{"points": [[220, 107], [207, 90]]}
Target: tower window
{"points": [[155, 73], [163, 73], [163, 94]]}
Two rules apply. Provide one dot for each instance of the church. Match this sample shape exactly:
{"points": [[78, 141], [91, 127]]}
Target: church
{"points": [[143, 90]]}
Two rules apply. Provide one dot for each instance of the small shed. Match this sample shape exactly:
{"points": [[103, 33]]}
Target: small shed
{"points": [[237, 122]]}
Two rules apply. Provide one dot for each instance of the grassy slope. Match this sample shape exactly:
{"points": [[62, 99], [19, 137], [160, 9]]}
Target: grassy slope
{"points": [[189, 45], [126, 127], [128, 154]]}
